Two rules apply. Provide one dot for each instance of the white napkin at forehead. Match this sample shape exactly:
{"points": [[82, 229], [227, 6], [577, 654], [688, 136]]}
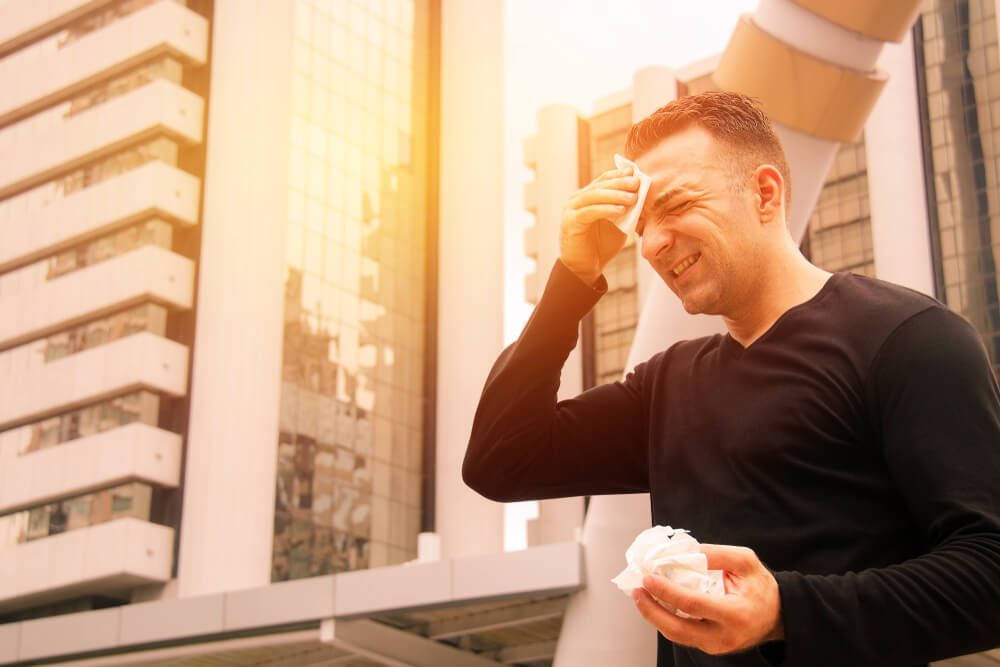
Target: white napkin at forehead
{"points": [[630, 217], [672, 554]]}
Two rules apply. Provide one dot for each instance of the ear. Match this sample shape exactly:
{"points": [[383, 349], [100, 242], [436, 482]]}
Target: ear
{"points": [[769, 193]]}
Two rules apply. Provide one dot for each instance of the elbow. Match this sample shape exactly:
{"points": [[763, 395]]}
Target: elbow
{"points": [[475, 478], [478, 477]]}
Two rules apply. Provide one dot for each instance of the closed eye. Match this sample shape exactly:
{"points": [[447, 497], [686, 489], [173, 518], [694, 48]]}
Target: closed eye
{"points": [[677, 208], [663, 213]]}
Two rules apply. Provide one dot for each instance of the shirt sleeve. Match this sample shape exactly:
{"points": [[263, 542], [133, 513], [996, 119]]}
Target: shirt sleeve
{"points": [[527, 445], [935, 400]]}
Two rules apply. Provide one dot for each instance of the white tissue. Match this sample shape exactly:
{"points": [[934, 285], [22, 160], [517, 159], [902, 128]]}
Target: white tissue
{"points": [[630, 217], [672, 554]]}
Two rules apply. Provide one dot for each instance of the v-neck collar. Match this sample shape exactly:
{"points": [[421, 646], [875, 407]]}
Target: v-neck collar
{"points": [[733, 348]]}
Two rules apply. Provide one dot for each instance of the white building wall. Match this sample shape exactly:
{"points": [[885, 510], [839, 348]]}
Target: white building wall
{"points": [[896, 192], [228, 518], [470, 265]]}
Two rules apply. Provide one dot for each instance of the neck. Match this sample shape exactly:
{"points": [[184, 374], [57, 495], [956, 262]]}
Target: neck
{"points": [[787, 280]]}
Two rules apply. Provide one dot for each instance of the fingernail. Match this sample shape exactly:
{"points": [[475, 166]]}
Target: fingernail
{"points": [[635, 594]]}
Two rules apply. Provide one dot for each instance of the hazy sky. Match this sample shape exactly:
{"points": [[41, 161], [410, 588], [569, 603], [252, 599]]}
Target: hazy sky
{"points": [[574, 52]]}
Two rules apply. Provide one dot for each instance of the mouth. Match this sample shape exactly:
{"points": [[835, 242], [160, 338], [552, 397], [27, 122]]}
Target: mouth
{"points": [[685, 264]]}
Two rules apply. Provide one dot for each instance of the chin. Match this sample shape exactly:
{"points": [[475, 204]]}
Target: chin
{"points": [[692, 308], [700, 306]]}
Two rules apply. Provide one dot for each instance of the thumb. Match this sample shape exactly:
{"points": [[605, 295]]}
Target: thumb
{"points": [[738, 560]]}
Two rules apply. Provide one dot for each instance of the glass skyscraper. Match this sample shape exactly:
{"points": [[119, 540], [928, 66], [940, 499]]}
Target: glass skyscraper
{"points": [[350, 445], [958, 76]]}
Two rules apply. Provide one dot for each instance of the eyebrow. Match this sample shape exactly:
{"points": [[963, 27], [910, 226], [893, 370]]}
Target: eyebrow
{"points": [[657, 205]]}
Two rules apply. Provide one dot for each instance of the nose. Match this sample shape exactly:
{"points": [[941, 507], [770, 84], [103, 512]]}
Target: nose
{"points": [[656, 242]]}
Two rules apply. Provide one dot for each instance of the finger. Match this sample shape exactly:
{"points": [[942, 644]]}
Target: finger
{"points": [[685, 631], [601, 196], [590, 214], [738, 560], [626, 182], [612, 174], [695, 603]]}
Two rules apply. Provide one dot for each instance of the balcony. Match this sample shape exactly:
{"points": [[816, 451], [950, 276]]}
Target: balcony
{"points": [[532, 287], [140, 361], [154, 189], [135, 452], [529, 152], [161, 28], [108, 559], [159, 107], [22, 22], [143, 274], [531, 197], [531, 242]]}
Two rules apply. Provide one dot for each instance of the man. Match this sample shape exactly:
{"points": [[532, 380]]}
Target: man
{"points": [[846, 432]]}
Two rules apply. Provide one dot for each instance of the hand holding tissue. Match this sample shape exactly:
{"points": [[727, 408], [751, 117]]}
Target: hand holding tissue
{"points": [[628, 221], [672, 554], [599, 217]]}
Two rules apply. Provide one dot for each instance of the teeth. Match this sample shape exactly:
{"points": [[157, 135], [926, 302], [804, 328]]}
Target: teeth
{"points": [[683, 266]]}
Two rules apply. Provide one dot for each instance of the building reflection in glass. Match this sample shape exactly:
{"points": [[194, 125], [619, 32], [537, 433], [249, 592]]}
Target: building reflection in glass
{"points": [[90, 509], [959, 69], [839, 232], [349, 444]]}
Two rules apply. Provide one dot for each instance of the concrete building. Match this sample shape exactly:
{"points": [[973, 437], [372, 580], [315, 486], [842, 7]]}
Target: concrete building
{"points": [[235, 269], [234, 254]]}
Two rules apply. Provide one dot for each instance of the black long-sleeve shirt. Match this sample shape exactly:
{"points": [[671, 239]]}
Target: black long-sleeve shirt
{"points": [[855, 447]]}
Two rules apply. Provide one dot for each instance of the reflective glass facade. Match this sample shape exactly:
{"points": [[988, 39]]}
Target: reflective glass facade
{"points": [[30, 357], [349, 448], [126, 500], [137, 406], [28, 277], [27, 202], [839, 232], [958, 76]]}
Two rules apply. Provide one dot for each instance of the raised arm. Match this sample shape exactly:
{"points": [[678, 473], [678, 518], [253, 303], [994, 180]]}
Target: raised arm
{"points": [[524, 443]]}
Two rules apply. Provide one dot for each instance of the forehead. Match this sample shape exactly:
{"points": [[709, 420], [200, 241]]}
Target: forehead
{"points": [[689, 156]]}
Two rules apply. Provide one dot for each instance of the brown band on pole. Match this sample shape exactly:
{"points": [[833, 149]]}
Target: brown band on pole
{"points": [[795, 88], [887, 20]]}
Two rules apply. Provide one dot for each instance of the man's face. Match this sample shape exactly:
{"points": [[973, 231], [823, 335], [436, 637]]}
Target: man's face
{"points": [[699, 228]]}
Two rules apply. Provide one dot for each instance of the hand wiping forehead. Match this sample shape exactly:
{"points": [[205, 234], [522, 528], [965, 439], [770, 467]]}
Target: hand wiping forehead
{"points": [[630, 217]]}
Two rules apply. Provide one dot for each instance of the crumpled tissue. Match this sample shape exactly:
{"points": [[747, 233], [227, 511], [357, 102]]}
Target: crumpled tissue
{"points": [[673, 554], [630, 217]]}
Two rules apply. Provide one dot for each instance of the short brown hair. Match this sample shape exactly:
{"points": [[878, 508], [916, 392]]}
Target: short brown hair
{"points": [[736, 120]]}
